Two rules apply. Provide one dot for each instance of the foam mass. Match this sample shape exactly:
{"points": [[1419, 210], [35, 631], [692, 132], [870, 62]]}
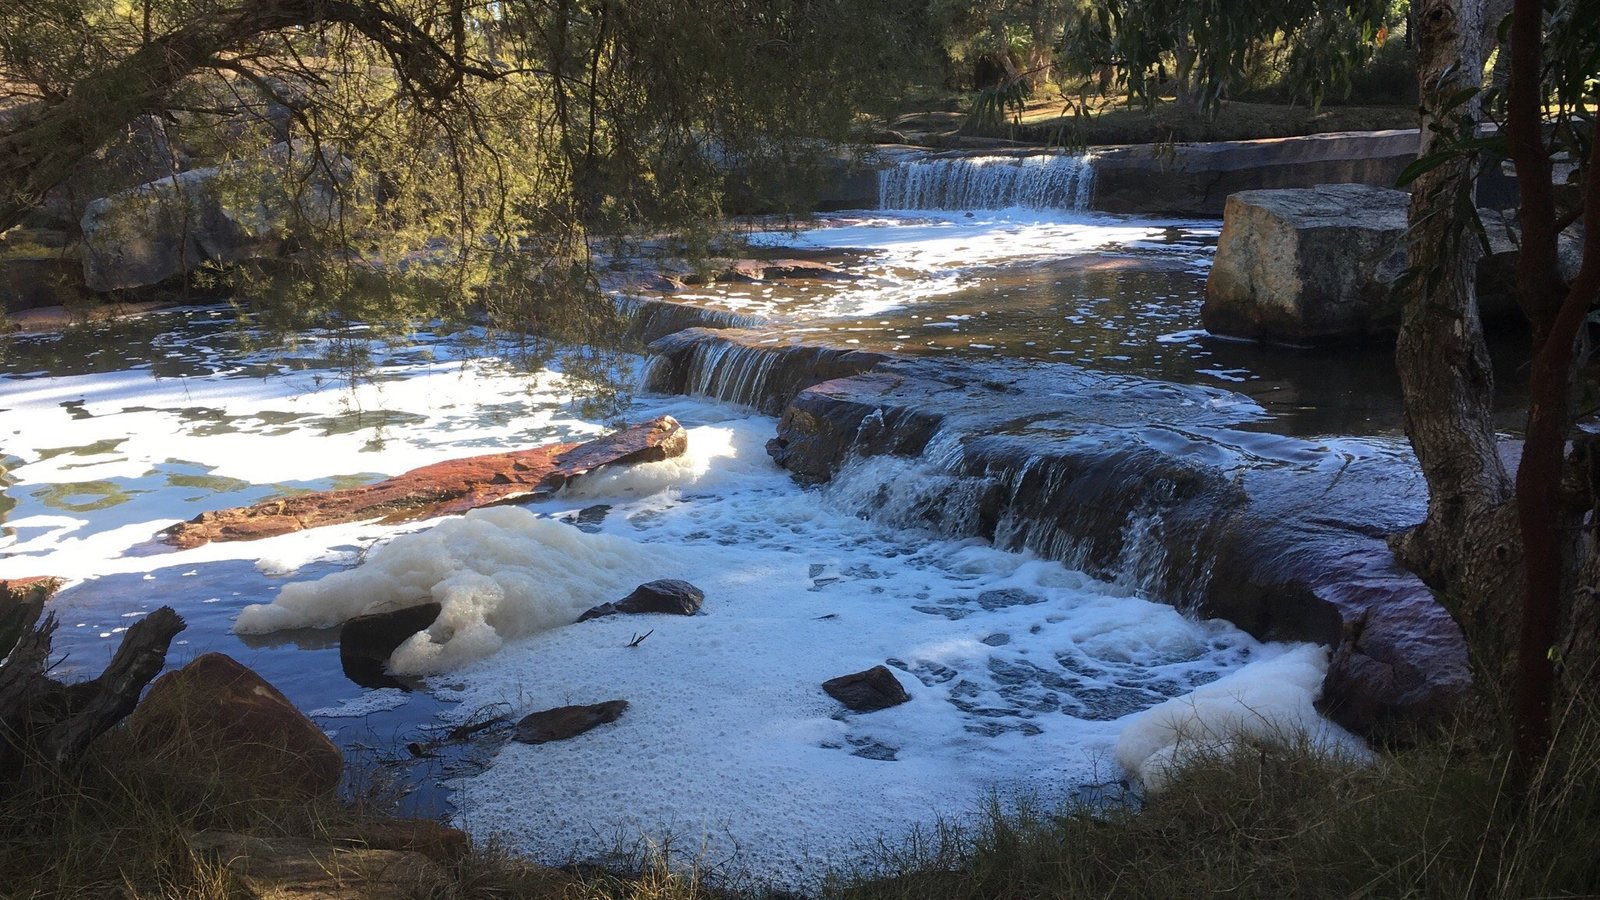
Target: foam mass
{"points": [[499, 574], [1269, 698]]}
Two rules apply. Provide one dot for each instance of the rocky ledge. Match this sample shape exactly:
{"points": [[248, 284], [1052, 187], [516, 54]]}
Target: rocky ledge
{"points": [[440, 489], [1166, 486]]}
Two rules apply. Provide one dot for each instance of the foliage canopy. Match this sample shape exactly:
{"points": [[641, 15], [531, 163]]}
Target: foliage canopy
{"points": [[476, 145]]}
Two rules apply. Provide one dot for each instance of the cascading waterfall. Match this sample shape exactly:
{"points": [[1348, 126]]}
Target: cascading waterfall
{"points": [[1018, 503], [728, 372], [1054, 181]]}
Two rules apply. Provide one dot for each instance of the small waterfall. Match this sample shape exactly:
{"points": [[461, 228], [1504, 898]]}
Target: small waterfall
{"points": [[1118, 515], [650, 319], [749, 368], [1041, 181]]}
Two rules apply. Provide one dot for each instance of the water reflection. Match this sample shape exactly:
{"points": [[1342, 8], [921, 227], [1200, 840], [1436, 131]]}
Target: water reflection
{"points": [[1128, 306]]}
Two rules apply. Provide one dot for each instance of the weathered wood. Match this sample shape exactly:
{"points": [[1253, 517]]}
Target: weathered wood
{"points": [[138, 659], [22, 670]]}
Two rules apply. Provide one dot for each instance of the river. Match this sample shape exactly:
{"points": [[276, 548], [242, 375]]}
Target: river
{"points": [[1028, 678]]}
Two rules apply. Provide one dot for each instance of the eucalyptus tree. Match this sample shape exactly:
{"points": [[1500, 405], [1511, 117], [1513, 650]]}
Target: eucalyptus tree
{"points": [[486, 138], [1511, 543], [1211, 44], [1016, 39]]}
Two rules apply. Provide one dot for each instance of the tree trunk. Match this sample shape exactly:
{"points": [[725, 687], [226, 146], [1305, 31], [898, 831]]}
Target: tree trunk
{"points": [[1550, 525], [1468, 546]]}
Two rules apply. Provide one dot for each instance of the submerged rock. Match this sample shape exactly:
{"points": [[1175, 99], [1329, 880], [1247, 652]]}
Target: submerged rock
{"points": [[669, 596], [868, 690], [565, 722], [222, 713], [440, 489]]}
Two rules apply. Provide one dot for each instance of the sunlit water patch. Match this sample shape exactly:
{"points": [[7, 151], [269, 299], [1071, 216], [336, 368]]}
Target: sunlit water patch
{"points": [[1023, 673]]}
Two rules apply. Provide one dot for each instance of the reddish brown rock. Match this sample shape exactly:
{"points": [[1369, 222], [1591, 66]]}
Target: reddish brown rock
{"points": [[872, 689], [670, 596], [16, 590], [221, 712], [763, 269], [440, 489], [286, 868], [566, 721]]}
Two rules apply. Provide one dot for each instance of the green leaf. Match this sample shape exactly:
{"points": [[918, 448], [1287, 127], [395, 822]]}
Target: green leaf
{"points": [[1423, 165]]}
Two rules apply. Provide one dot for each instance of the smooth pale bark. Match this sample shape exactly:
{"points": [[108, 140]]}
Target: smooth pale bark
{"points": [[1511, 556]]}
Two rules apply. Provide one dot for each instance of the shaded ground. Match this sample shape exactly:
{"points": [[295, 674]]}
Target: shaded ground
{"points": [[1111, 120]]}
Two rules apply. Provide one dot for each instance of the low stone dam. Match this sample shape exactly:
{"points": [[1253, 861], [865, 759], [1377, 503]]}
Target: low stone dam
{"points": [[1182, 179]]}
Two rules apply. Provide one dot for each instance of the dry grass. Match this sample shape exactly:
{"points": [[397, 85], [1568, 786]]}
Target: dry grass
{"points": [[1440, 819], [1269, 821]]}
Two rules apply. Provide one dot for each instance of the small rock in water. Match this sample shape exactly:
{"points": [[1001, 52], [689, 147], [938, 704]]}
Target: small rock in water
{"points": [[566, 721], [589, 518], [366, 642], [1007, 597], [668, 595], [872, 748], [872, 689]]}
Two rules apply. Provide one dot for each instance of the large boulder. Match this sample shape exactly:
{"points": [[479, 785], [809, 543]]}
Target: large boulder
{"points": [[1307, 265], [250, 209], [1322, 264], [214, 715], [1497, 272]]}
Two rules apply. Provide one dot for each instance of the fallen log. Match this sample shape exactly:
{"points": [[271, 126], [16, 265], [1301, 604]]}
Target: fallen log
{"points": [[440, 489], [49, 720]]}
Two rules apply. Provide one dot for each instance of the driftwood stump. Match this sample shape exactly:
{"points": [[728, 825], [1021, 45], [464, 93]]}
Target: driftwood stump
{"points": [[56, 723]]}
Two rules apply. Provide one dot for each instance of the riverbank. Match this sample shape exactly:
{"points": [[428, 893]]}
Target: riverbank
{"points": [[1266, 820]]}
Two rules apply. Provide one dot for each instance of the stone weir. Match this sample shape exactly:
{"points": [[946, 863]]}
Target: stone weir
{"points": [[1166, 487], [649, 319]]}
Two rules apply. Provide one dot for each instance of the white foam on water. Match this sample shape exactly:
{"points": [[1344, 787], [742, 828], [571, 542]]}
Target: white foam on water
{"points": [[1021, 673], [916, 258], [1270, 698], [176, 447], [498, 573], [376, 701]]}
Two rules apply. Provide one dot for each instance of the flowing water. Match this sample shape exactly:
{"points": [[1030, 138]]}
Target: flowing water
{"points": [[1028, 678]]}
